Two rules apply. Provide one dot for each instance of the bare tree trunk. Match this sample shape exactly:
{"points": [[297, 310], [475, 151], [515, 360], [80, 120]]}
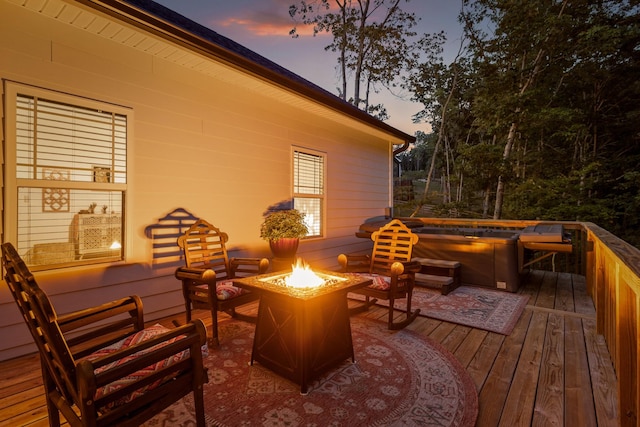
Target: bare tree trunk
{"points": [[437, 147], [505, 156], [440, 132], [447, 174], [366, 100], [444, 174], [485, 202]]}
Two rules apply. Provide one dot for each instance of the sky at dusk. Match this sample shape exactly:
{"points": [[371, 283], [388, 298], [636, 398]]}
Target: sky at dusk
{"points": [[263, 26]]}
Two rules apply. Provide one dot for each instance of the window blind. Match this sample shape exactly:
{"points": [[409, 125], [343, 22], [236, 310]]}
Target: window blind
{"points": [[82, 141], [308, 189], [71, 171]]}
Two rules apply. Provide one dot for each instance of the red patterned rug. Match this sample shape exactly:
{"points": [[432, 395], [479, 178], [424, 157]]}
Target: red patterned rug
{"points": [[399, 378], [488, 309]]}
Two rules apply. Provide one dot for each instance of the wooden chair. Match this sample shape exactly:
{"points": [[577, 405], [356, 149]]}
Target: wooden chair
{"points": [[100, 366], [207, 277], [390, 267]]}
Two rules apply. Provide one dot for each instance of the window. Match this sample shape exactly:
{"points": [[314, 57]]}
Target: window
{"points": [[308, 189], [66, 178]]}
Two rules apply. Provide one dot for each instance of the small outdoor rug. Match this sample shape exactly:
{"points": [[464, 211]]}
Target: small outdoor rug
{"points": [[399, 379], [487, 309]]}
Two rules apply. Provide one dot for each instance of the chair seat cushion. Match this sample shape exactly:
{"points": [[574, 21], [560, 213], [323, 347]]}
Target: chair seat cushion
{"points": [[224, 290], [140, 336], [380, 283]]}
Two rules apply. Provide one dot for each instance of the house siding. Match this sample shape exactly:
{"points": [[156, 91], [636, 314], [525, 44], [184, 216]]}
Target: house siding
{"points": [[210, 145]]}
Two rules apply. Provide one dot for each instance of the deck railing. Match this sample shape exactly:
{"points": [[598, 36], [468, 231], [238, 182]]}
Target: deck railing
{"points": [[613, 281], [611, 268]]}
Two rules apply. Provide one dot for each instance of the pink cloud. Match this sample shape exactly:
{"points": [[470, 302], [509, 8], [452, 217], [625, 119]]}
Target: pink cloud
{"points": [[269, 18], [263, 27]]}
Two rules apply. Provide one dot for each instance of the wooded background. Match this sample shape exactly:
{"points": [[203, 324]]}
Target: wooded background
{"points": [[537, 117]]}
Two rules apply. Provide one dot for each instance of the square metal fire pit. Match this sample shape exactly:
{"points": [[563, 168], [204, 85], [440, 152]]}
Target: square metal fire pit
{"points": [[302, 332]]}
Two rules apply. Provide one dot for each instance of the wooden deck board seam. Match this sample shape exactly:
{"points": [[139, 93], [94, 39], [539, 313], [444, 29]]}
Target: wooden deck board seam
{"points": [[560, 312]]}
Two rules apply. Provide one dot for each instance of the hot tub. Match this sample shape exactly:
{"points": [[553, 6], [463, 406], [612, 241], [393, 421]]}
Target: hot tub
{"points": [[489, 257]]}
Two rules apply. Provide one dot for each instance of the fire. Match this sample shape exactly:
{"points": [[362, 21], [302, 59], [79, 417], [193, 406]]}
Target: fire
{"points": [[303, 277]]}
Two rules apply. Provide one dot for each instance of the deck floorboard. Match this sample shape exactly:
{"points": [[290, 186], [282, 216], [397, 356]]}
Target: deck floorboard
{"points": [[542, 374]]}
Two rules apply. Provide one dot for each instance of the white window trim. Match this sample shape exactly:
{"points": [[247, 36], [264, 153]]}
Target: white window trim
{"points": [[322, 197], [9, 180]]}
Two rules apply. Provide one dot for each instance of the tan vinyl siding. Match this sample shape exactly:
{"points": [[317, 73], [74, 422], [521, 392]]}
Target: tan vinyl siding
{"points": [[215, 143]]}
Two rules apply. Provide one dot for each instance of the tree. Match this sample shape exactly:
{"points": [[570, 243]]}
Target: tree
{"points": [[556, 88], [434, 85], [372, 39], [541, 114], [511, 62]]}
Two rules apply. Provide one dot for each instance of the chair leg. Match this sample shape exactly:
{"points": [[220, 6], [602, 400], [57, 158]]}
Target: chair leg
{"points": [[214, 341], [198, 401], [188, 311], [52, 409], [187, 300], [392, 302], [410, 316]]}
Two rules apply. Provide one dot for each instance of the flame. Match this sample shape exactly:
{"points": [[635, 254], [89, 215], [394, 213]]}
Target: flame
{"points": [[303, 277]]}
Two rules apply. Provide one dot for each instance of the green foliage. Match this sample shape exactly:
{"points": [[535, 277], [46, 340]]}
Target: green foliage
{"points": [[543, 99], [283, 224], [546, 102]]}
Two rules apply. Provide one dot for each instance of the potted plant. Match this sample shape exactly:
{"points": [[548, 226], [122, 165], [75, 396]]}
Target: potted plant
{"points": [[283, 230]]}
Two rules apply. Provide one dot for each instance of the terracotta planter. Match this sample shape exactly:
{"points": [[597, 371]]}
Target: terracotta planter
{"points": [[285, 247]]}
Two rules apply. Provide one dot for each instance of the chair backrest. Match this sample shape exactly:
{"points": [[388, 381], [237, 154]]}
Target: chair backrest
{"points": [[204, 246], [42, 320], [392, 242]]}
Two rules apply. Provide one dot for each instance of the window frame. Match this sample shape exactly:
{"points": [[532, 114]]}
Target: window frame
{"points": [[321, 196], [11, 183]]}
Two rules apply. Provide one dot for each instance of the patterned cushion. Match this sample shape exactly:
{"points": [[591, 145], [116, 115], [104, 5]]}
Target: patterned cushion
{"points": [[381, 283], [225, 290], [143, 335]]}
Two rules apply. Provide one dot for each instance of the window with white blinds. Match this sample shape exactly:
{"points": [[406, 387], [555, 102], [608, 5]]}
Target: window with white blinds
{"points": [[309, 189], [70, 175]]}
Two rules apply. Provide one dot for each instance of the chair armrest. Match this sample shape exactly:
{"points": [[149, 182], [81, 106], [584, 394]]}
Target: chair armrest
{"points": [[354, 263], [191, 337], [80, 318], [96, 327], [200, 275], [248, 266], [410, 268]]}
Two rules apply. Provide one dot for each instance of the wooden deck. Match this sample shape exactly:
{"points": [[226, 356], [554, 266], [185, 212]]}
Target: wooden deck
{"points": [[553, 370]]}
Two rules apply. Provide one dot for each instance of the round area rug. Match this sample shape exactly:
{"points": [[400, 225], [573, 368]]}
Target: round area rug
{"points": [[399, 379]]}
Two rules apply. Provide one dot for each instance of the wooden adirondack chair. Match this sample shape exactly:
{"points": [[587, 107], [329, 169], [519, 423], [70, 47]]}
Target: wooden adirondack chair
{"points": [[100, 366], [390, 267], [207, 276]]}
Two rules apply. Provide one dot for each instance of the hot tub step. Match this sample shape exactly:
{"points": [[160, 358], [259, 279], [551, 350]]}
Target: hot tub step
{"points": [[439, 273], [443, 283], [437, 263]]}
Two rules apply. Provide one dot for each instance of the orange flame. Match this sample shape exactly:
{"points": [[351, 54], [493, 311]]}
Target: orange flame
{"points": [[303, 277]]}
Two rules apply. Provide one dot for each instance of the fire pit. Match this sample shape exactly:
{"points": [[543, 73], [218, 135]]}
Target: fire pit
{"points": [[303, 326]]}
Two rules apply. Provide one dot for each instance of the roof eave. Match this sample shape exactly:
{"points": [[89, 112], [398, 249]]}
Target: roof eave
{"points": [[148, 15]]}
